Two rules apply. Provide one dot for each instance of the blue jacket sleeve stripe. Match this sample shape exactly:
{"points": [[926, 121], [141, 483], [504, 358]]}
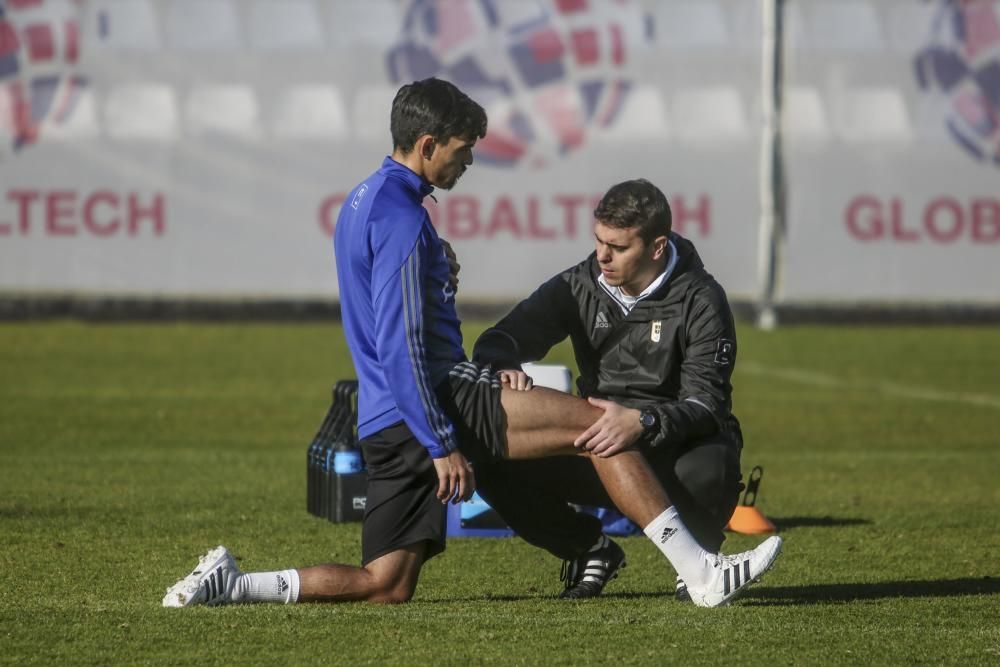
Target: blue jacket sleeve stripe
{"points": [[413, 313]]}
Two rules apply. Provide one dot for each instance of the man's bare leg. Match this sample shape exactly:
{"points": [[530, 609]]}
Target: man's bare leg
{"points": [[632, 485], [543, 422], [391, 578]]}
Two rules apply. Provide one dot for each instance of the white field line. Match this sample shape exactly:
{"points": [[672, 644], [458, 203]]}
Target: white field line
{"points": [[827, 381]]}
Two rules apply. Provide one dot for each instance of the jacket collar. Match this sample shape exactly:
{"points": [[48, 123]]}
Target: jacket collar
{"points": [[627, 302], [420, 187]]}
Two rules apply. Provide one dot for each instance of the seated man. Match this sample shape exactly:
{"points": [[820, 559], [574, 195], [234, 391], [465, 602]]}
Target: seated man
{"points": [[655, 343], [424, 409]]}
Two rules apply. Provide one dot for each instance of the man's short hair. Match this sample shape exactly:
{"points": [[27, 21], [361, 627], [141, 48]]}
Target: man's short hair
{"points": [[435, 107], [636, 203]]}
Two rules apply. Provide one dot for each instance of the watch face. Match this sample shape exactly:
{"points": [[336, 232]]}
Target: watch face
{"points": [[647, 419]]}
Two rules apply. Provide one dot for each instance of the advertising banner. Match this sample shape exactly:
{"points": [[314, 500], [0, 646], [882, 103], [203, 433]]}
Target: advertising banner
{"points": [[202, 148], [893, 152]]}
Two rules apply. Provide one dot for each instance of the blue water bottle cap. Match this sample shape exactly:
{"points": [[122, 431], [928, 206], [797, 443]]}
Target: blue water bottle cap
{"points": [[347, 461]]}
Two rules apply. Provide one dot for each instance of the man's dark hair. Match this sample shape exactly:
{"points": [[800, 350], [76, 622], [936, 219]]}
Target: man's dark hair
{"points": [[636, 203], [437, 108]]}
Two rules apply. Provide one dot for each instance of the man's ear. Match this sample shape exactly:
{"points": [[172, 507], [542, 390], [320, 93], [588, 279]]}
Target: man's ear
{"points": [[659, 247], [425, 145]]}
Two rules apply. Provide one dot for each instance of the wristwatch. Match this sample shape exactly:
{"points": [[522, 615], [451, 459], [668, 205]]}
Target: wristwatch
{"points": [[650, 421]]}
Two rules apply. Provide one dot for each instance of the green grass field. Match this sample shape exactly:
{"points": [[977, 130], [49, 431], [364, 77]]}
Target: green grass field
{"points": [[127, 450]]}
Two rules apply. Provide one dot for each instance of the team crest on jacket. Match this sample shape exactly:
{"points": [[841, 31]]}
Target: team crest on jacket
{"points": [[654, 331], [724, 352]]}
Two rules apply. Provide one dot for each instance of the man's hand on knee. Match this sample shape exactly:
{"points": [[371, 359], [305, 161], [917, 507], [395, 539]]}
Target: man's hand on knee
{"points": [[615, 431], [517, 380], [456, 481]]}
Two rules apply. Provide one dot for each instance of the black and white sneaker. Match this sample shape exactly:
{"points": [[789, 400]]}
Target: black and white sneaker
{"points": [[588, 574], [731, 575], [681, 591], [210, 583]]}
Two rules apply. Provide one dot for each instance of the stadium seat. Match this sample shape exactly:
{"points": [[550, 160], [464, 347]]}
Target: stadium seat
{"points": [[203, 25], [372, 105], [685, 25], [120, 25], [229, 109], [553, 376], [804, 116], [872, 114], [642, 118], [712, 114], [285, 25], [141, 111], [844, 26], [82, 123], [309, 112], [375, 23]]}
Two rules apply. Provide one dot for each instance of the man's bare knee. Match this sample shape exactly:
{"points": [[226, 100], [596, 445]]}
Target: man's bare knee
{"points": [[397, 594], [393, 577], [391, 586]]}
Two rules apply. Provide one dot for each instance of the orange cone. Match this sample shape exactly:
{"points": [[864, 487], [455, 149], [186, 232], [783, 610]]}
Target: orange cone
{"points": [[749, 521]]}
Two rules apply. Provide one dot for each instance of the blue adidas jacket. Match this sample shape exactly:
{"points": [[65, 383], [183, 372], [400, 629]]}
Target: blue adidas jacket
{"points": [[397, 309]]}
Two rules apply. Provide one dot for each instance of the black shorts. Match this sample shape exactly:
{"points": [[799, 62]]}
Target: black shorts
{"points": [[402, 507], [471, 399]]}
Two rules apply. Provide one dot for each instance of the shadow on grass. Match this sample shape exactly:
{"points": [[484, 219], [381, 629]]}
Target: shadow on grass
{"points": [[649, 595], [492, 598], [555, 596], [824, 593], [784, 523]]}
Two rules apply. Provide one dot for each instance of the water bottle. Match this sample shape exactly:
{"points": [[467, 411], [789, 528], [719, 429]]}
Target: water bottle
{"points": [[347, 460]]}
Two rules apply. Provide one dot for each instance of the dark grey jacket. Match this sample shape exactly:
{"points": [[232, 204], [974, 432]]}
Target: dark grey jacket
{"points": [[674, 352]]}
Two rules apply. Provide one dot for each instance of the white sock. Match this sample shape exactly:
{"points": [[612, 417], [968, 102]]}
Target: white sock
{"points": [[280, 586], [692, 563]]}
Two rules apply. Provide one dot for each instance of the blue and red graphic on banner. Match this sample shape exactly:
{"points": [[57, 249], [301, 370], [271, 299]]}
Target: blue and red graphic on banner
{"points": [[963, 61], [39, 51], [547, 71]]}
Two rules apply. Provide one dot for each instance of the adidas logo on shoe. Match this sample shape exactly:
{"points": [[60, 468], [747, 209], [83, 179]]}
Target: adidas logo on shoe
{"points": [[210, 583], [731, 575], [587, 575], [732, 578]]}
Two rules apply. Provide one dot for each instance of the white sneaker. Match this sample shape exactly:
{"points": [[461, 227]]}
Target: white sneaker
{"points": [[732, 574], [210, 583]]}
